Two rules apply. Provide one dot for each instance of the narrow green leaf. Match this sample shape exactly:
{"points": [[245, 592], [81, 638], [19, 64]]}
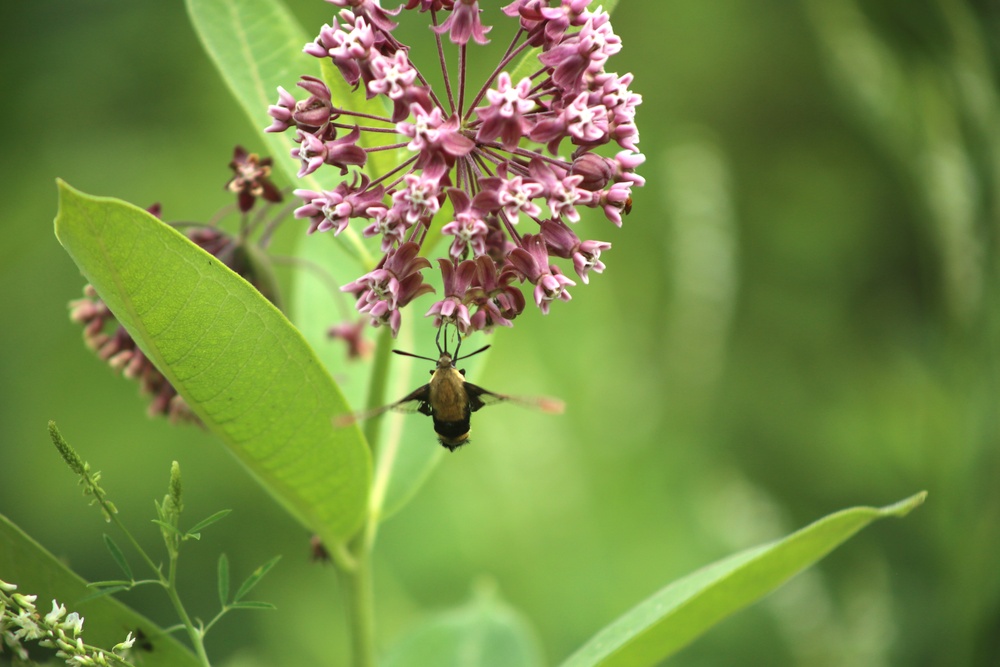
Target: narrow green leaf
{"points": [[223, 571], [251, 604], [240, 365], [119, 557], [110, 590], [205, 523], [254, 579], [483, 633], [37, 572], [679, 613], [171, 528], [109, 583]]}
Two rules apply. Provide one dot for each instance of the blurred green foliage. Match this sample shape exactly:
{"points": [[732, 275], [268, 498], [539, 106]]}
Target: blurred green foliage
{"points": [[800, 314]]}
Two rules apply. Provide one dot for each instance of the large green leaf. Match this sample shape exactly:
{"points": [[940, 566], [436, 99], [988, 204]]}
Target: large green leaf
{"points": [[676, 615], [37, 572], [241, 366], [484, 633]]}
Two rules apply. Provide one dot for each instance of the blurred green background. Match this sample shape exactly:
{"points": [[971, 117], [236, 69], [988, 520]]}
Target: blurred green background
{"points": [[799, 315]]}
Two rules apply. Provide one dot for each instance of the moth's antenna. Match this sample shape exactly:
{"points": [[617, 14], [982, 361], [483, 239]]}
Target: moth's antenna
{"points": [[484, 347], [415, 356]]}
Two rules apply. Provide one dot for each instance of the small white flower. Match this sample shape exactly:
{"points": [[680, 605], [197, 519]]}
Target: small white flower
{"points": [[7, 588], [28, 628], [58, 611], [73, 623], [127, 644], [24, 601]]}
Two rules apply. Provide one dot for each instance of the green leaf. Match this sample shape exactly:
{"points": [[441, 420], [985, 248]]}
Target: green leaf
{"points": [[679, 613], [119, 557], [37, 572], [169, 527], [240, 365], [251, 604], [109, 583], [223, 571], [110, 590], [205, 523], [483, 633], [254, 579]]}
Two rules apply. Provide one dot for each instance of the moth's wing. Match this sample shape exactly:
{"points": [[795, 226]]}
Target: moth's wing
{"points": [[479, 398], [415, 401]]}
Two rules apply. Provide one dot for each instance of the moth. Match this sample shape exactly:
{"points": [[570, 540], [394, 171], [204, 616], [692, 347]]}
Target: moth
{"points": [[449, 400]]}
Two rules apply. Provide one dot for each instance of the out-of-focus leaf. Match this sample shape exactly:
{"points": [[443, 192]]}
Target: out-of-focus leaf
{"points": [[37, 572], [195, 530], [255, 578], [679, 613], [252, 604], [241, 366], [222, 574], [119, 557], [484, 633]]}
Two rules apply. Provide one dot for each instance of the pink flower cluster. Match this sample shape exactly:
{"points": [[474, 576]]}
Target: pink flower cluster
{"points": [[529, 152]]}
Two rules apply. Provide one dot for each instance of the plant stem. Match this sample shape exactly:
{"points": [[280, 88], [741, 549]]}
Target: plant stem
{"points": [[376, 389], [168, 581], [356, 571], [197, 639], [360, 599]]}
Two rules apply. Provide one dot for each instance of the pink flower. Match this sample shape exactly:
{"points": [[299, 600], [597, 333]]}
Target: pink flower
{"points": [[504, 116], [333, 209], [531, 262], [469, 227], [463, 23], [452, 309], [508, 154], [391, 285]]}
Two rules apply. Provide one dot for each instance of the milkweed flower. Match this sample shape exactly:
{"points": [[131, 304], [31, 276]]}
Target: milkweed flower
{"points": [[519, 157]]}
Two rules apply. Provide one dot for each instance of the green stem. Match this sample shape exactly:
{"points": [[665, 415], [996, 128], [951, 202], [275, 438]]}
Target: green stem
{"points": [[196, 636], [197, 640], [358, 592], [168, 583], [355, 566], [376, 389]]}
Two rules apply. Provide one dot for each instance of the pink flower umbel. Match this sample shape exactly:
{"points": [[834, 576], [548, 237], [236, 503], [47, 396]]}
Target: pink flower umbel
{"points": [[508, 152]]}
